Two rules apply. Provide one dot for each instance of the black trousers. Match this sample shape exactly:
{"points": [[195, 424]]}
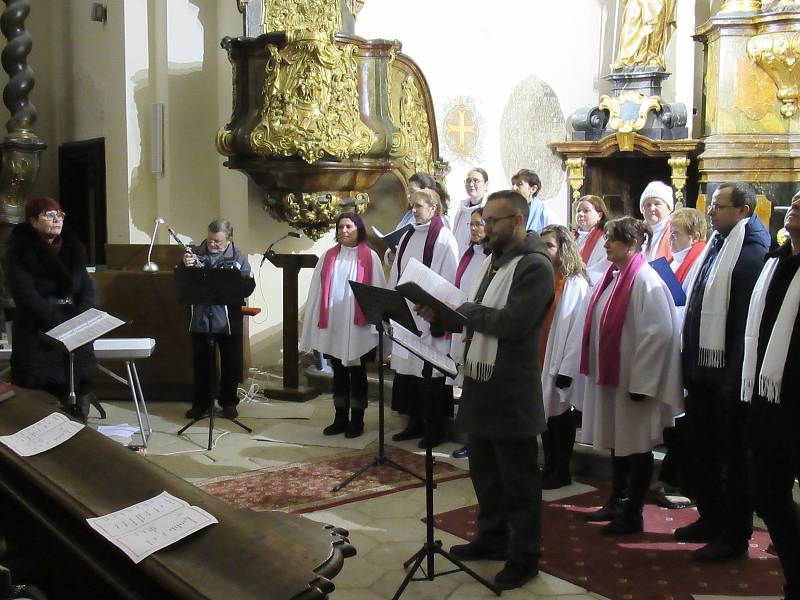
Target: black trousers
{"points": [[672, 466], [716, 465], [231, 364], [508, 485], [349, 384], [775, 466]]}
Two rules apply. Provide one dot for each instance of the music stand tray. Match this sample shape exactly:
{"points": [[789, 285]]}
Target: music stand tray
{"points": [[212, 286]]}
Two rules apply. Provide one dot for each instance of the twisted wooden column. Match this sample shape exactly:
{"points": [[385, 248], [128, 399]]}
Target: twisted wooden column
{"points": [[21, 148]]}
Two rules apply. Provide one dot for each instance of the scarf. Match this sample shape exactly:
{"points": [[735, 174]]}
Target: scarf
{"points": [[716, 297], [363, 275], [591, 241], [611, 321], [536, 217], [436, 224], [771, 375], [480, 358], [695, 251], [559, 281]]}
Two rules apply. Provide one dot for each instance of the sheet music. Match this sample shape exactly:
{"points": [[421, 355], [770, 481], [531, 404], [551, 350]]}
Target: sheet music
{"points": [[433, 283], [55, 429], [151, 525], [85, 328], [405, 338]]}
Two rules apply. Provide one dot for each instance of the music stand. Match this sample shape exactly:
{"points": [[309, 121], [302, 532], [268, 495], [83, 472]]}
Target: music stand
{"points": [[212, 286], [379, 305], [431, 547]]}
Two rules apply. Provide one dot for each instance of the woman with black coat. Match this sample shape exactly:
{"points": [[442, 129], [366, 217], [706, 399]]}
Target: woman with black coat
{"points": [[47, 278]]}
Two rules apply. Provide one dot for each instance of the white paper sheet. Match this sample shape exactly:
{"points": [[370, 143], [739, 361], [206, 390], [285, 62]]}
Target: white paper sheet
{"points": [[433, 283], [56, 428], [151, 525], [404, 338], [86, 327]]}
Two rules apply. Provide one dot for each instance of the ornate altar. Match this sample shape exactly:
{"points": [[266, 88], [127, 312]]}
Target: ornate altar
{"points": [[324, 120]]}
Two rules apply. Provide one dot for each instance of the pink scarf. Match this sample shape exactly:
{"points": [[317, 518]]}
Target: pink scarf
{"points": [[430, 242], [611, 322], [363, 275]]}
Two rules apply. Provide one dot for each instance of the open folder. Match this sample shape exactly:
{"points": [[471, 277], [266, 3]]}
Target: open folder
{"points": [[393, 238], [84, 328], [661, 266]]}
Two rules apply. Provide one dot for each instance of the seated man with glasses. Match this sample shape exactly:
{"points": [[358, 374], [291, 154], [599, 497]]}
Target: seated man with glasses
{"points": [[225, 323], [49, 284]]}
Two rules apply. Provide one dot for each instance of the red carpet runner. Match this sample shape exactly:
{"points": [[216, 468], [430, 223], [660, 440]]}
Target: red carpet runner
{"points": [[645, 566]]}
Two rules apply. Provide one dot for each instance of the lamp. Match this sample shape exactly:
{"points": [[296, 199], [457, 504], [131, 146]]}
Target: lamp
{"points": [[150, 266]]}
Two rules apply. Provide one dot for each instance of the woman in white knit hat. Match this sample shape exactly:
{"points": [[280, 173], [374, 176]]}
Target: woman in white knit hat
{"points": [[656, 204]]}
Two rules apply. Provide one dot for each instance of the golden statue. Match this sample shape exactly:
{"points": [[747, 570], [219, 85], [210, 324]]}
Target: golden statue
{"points": [[647, 26]]}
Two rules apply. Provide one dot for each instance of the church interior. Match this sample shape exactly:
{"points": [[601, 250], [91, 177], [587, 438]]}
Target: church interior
{"points": [[148, 119]]}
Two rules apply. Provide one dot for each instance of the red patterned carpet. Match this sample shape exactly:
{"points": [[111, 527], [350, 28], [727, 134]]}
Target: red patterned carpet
{"points": [[645, 566], [307, 487]]}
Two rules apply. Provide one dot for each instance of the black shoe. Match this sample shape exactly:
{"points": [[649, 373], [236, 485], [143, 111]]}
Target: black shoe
{"points": [[477, 551], [461, 453], [556, 480], [196, 412], [356, 425], [437, 439], [719, 551], [339, 425], [698, 532], [609, 512], [413, 430], [229, 411], [513, 576], [624, 524]]}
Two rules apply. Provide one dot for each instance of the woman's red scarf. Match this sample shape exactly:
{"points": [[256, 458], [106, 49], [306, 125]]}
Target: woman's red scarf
{"points": [[664, 248], [611, 321], [591, 242], [363, 275], [693, 254], [430, 242]]}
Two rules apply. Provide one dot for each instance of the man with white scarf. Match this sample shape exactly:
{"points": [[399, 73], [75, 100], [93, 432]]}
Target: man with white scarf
{"points": [[501, 407], [771, 383], [713, 353]]}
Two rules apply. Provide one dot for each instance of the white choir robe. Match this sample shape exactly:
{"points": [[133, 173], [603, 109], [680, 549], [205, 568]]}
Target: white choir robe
{"points": [[461, 229], [342, 338], [563, 353], [688, 281], [649, 364], [660, 229], [598, 262], [467, 279], [444, 262]]}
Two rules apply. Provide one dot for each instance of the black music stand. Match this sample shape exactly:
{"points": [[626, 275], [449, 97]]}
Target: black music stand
{"points": [[212, 286], [379, 305], [432, 547]]}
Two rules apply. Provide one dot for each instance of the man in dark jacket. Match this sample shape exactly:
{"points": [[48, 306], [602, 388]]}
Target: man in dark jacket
{"points": [[217, 325], [775, 421], [47, 278], [501, 407], [713, 351]]}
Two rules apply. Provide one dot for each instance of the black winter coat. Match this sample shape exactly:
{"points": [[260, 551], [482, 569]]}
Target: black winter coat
{"points": [[48, 288]]}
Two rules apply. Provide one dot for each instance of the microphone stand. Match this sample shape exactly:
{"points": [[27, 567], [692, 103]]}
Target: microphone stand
{"points": [[150, 266], [268, 251]]}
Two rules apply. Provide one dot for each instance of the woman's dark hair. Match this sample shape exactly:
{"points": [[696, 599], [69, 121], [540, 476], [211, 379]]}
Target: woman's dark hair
{"points": [[629, 231], [426, 182], [599, 205], [357, 221], [483, 173], [529, 177]]}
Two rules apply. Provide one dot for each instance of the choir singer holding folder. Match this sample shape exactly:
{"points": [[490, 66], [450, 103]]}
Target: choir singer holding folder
{"points": [[501, 406]]}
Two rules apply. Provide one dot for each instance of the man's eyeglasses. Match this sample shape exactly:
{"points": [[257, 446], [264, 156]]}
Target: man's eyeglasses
{"points": [[490, 221], [52, 215], [716, 207]]}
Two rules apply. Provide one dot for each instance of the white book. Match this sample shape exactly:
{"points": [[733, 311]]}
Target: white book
{"points": [[433, 283], [414, 344], [55, 429], [83, 329], [151, 525]]}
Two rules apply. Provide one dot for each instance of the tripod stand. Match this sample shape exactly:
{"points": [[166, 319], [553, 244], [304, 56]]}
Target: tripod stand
{"points": [[379, 305]]}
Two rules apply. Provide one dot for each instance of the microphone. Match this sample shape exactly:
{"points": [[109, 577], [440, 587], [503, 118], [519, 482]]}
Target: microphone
{"points": [[269, 252], [150, 266]]}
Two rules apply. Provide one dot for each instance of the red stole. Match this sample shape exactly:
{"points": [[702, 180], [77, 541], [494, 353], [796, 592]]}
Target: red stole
{"points": [[363, 275], [591, 242], [663, 245], [693, 254], [427, 254]]}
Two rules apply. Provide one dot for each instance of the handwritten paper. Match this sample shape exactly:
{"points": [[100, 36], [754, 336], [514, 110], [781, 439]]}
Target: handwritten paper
{"points": [[54, 429], [151, 525]]}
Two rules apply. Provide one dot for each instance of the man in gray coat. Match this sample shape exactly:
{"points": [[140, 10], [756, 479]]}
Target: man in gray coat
{"points": [[501, 407]]}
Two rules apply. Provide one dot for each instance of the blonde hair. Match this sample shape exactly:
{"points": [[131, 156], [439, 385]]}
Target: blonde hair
{"points": [[691, 221], [431, 199], [568, 253]]}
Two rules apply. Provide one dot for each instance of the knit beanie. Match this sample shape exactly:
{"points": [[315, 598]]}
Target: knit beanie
{"points": [[660, 190]]}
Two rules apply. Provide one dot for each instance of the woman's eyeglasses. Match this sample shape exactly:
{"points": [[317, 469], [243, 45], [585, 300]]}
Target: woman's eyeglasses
{"points": [[52, 215]]}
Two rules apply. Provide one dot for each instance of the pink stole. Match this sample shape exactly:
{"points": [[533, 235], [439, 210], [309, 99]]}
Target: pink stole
{"points": [[611, 322], [363, 275]]}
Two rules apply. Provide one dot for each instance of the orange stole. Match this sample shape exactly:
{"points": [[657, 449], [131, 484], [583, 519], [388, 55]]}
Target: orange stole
{"points": [[559, 281]]}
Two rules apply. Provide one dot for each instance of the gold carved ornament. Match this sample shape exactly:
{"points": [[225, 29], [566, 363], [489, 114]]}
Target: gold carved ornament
{"points": [[314, 213], [778, 54], [627, 114], [302, 15], [412, 142], [311, 102], [575, 176], [647, 26], [679, 163]]}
